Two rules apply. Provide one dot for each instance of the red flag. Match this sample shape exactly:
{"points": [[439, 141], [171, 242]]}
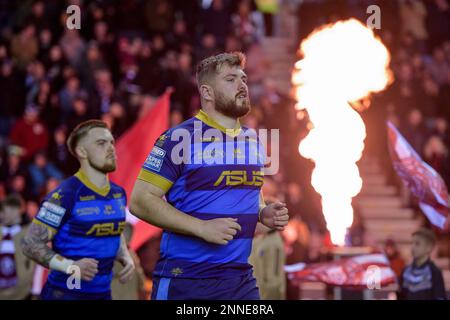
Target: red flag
{"points": [[362, 272], [132, 149], [421, 179]]}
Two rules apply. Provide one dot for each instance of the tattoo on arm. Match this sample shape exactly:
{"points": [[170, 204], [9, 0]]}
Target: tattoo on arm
{"points": [[35, 244]]}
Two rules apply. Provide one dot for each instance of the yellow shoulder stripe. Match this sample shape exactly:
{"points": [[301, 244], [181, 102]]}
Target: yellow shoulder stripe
{"points": [[155, 179]]}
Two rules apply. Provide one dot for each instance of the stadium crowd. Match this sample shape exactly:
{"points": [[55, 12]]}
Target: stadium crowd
{"points": [[128, 52]]}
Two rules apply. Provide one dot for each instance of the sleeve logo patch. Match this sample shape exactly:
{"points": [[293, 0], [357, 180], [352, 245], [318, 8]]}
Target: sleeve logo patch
{"points": [[158, 152], [153, 163], [51, 214]]}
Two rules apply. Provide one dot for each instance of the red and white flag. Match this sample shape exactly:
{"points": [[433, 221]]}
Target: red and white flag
{"points": [[39, 279], [421, 179], [363, 271], [132, 149]]}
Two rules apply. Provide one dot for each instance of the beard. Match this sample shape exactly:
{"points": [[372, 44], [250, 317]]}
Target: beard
{"points": [[233, 108], [107, 167]]}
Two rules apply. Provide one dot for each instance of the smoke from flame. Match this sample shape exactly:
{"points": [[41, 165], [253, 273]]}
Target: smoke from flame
{"points": [[342, 64]]}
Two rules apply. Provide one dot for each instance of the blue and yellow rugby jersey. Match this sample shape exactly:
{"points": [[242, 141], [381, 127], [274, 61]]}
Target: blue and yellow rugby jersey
{"points": [[207, 191], [88, 222]]}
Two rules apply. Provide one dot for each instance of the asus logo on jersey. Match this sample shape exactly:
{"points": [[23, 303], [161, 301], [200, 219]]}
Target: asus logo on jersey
{"points": [[240, 177], [106, 229]]}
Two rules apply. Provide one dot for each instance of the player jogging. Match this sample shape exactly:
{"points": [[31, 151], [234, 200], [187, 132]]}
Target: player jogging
{"points": [[213, 205], [83, 218]]}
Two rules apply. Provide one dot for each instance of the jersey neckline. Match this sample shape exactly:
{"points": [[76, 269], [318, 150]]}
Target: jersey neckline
{"points": [[204, 117], [85, 180]]}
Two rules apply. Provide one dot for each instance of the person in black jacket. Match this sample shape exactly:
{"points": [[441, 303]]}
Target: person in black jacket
{"points": [[422, 280]]}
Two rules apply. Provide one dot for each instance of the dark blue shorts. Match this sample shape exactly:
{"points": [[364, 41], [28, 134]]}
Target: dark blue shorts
{"points": [[51, 292], [240, 288]]}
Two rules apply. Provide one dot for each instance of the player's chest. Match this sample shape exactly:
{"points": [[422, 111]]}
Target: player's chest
{"points": [[98, 217], [223, 165]]}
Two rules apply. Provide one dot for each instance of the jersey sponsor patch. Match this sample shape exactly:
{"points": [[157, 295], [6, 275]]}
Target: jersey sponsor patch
{"points": [[51, 214], [153, 163], [158, 152]]}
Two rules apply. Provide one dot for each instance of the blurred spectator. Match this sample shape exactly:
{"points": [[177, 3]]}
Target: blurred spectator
{"points": [[67, 95], [59, 154], [16, 270], [178, 36], [12, 97], [78, 114], [269, 8], [37, 17], [216, 20], [120, 123], [296, 236], [356, 232], [158, 15], [444, 99], [268, 260], [18, 185], [31, 210], [436, 154], [35, 76], [438, 21], [439, 67], [208, 46], [395, 258], [73, 46], [415, 131], [247, 23], [40, 171], [413, 14], [428, 97], [30, 133], [91, 62], [175, 118], [13, 164], [24, 46], [55, 63], [422, 280], [45, 43]]}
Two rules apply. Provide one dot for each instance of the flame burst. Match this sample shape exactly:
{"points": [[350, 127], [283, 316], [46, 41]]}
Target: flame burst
{"points": [[342, 64]]}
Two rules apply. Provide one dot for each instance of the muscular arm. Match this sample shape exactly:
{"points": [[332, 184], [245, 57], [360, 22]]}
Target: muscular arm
{"points": [[147, 204], [35, 244]]}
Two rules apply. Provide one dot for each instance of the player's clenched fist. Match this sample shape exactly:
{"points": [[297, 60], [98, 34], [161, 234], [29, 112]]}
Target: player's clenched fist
{"points": [[219, 231], [275, 216], [88, 268]]}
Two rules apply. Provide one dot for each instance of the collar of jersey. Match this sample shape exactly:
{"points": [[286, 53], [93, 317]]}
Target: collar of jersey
{"points": [[85, 180], [204, 117]]}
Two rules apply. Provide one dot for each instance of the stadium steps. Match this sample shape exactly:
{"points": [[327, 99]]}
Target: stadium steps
{"points": [[379, 201], [378, 190], [278, 50], [382, 209], [387, 213]]}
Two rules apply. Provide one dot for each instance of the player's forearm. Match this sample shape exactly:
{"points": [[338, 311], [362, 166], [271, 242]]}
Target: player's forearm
{"points": [[34, 245], [123, 249], [158, 212]]}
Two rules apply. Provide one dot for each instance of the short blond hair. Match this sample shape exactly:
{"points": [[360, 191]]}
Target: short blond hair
{"points": [[81, 131], [209, 67]]}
